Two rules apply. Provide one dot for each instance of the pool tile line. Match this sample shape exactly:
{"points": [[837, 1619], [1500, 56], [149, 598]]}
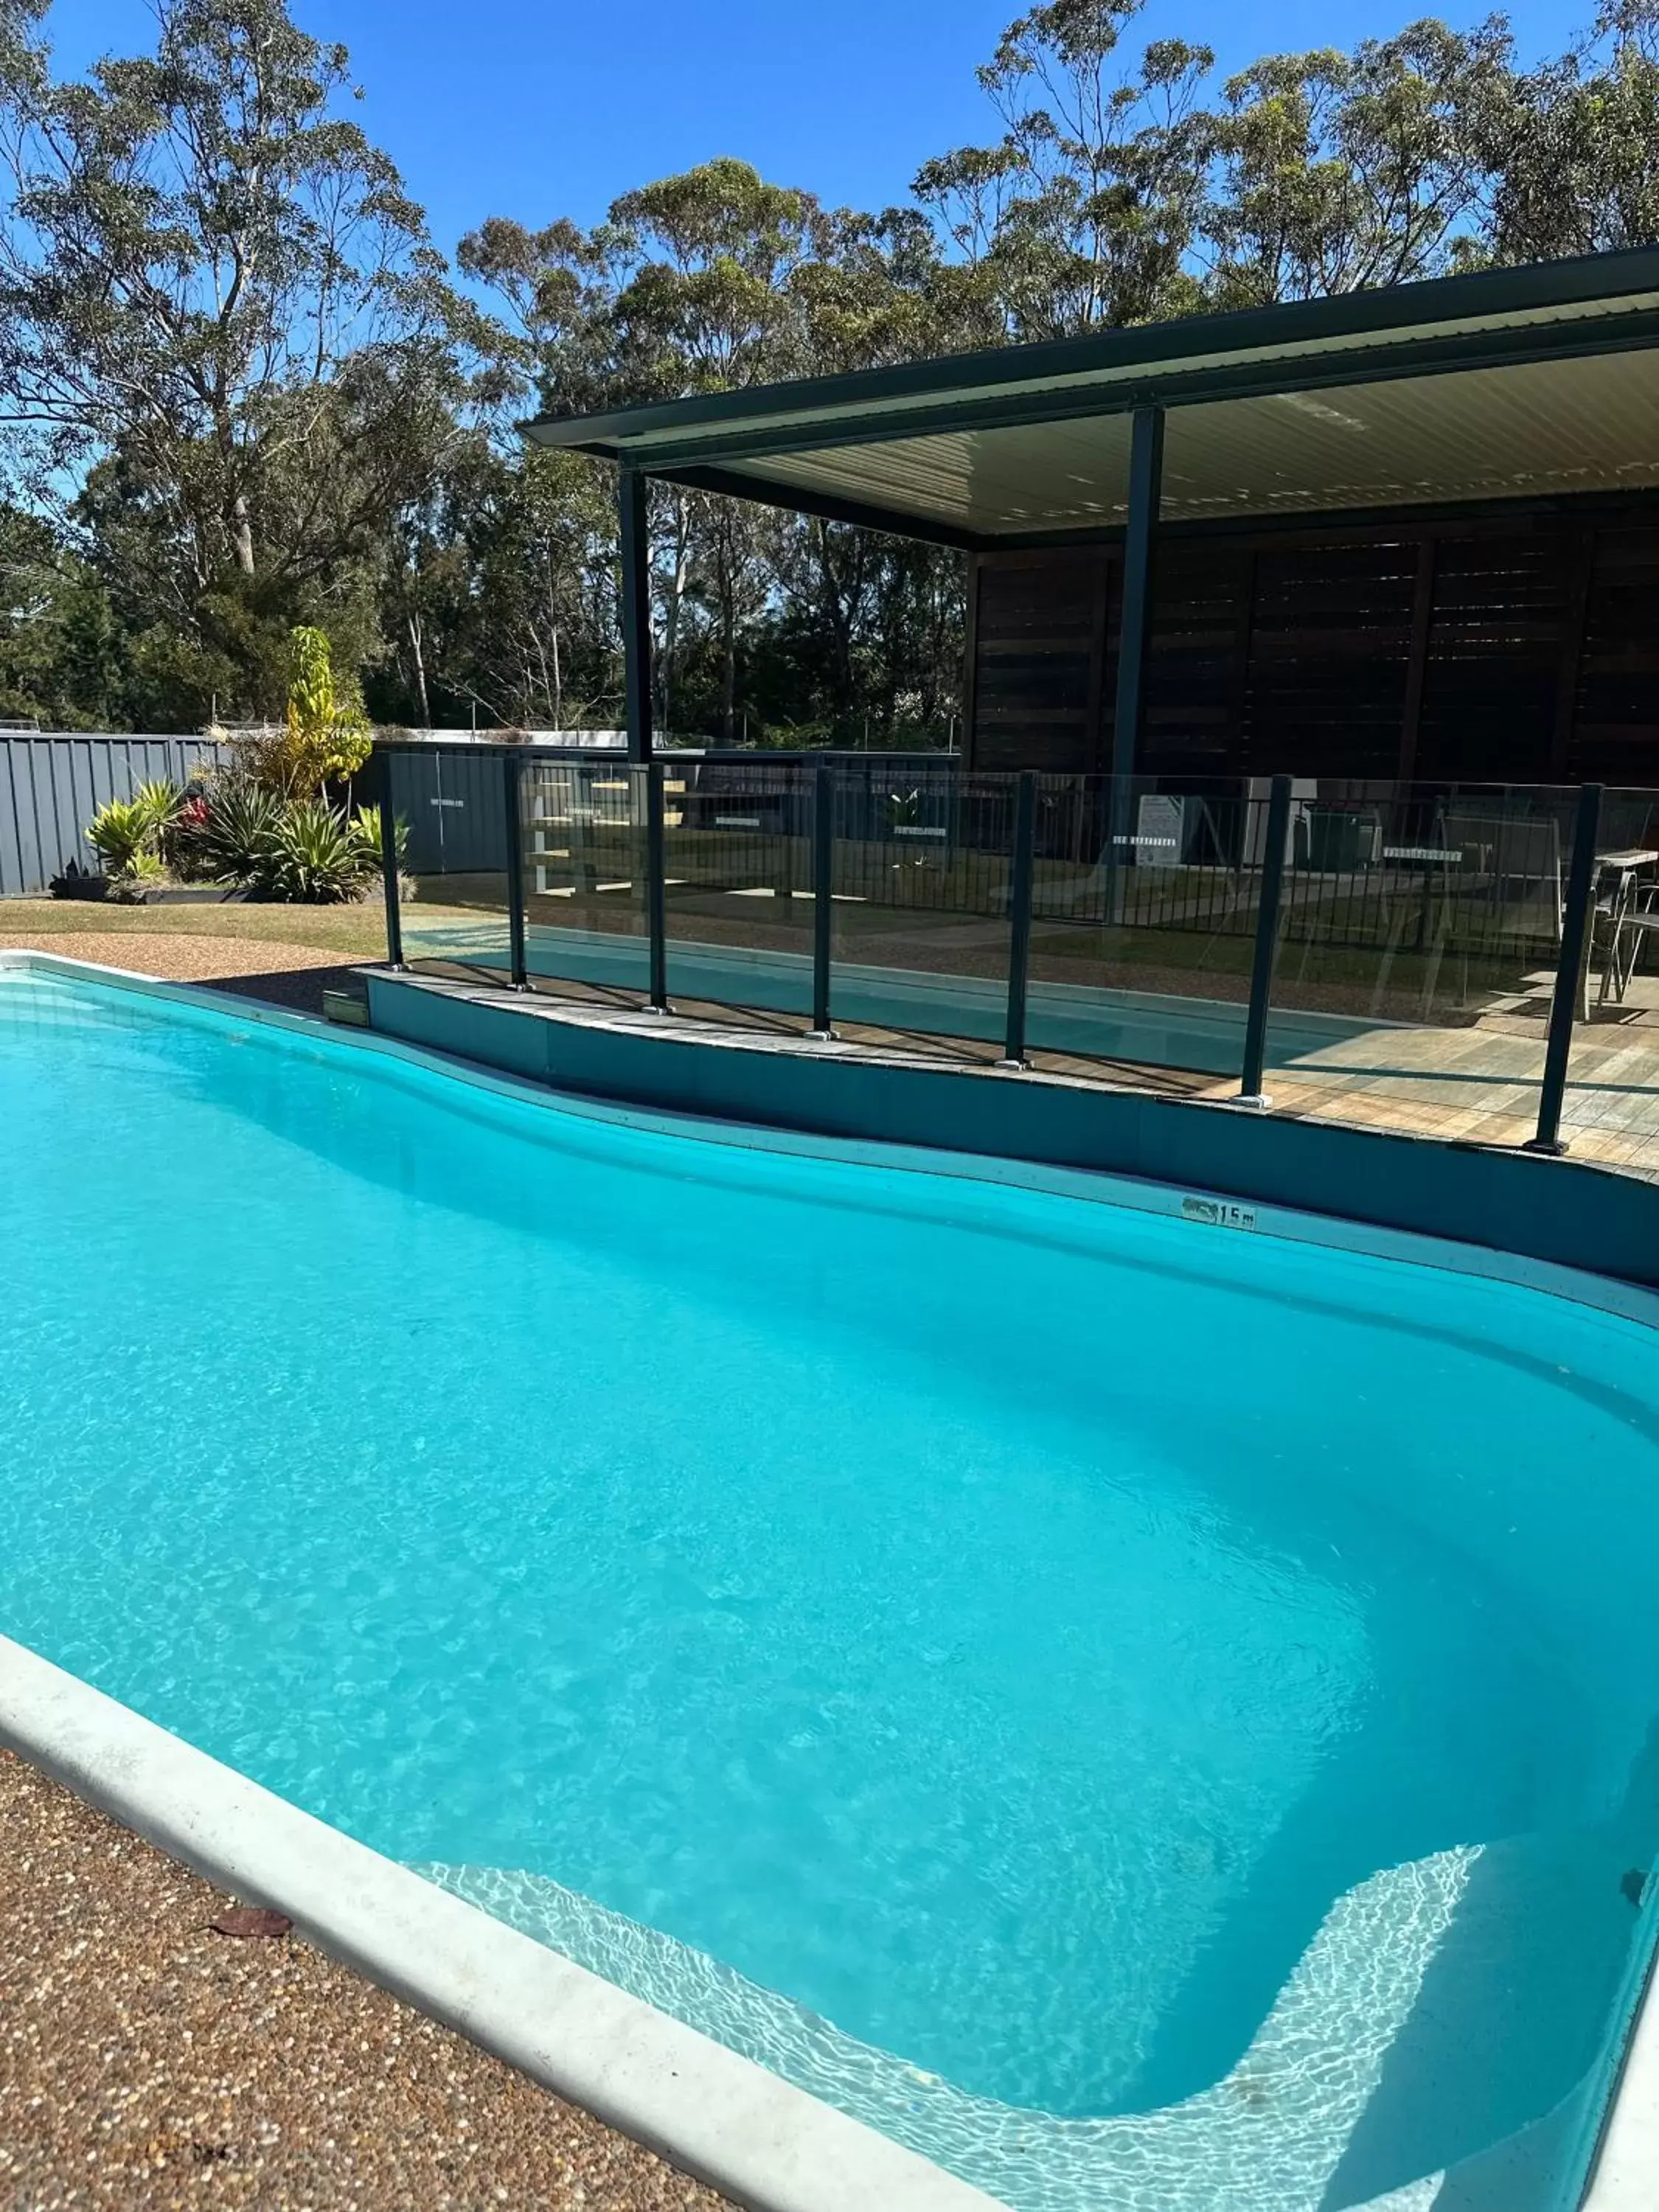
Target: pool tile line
{"points": [[716, 2114], [1095, 1186]]}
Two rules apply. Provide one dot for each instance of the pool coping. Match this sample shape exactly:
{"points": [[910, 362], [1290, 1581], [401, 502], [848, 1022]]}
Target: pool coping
{"points": [[719, 2116], [1095, 1186], [722, 2117]]}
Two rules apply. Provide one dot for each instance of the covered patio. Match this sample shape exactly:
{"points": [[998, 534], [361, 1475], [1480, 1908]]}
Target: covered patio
{"points": [[1395, 534], [1312, 729]]}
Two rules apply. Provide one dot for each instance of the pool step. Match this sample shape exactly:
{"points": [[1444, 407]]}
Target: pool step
{"points": [[1283, 2116]]}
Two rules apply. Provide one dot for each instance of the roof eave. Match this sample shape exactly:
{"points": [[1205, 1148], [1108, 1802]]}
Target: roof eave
{"points": [[1392, 314]]}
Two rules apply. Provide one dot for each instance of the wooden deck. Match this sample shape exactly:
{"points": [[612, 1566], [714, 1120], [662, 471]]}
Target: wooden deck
{"points": [[1473, 1084], [1476, 1085]]}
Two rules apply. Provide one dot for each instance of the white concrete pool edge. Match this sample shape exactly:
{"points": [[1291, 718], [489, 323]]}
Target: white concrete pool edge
{"points": [[1626, 2174], [762, 2142]]}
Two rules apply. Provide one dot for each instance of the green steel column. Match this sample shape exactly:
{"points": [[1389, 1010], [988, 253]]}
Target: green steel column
{"points": [[633, 494], [1146, 483]]}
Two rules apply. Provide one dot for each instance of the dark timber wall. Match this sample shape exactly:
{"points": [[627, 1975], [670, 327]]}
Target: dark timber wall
{"points": [[1516, 647]]}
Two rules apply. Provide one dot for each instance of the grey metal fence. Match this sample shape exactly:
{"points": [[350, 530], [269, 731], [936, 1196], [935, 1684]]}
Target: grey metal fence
{"points": [[52, 784]]}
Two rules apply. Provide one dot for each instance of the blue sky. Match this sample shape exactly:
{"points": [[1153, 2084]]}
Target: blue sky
{"points": [[535, 108]]}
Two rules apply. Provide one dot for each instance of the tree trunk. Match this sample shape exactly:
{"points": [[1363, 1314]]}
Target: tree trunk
{"points": [[674, 599], [838, 600], [728, 599], [242, 534], [419, 657]]}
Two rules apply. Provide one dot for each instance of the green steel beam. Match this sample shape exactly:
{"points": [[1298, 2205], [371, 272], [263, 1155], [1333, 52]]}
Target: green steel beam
{"points": [[1015, 407]]}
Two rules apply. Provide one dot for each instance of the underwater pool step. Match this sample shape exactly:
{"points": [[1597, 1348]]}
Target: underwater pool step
{"points": [[1292, 2105]]}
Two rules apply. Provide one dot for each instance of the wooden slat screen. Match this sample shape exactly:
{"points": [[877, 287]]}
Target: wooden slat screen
{"points": [[1536, 653], [1196, 661], [1494, 662], [1615, 735], [1039, 652], [1329, 639]]}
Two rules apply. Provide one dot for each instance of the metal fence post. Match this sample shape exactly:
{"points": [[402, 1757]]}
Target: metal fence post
{"points": [[1251, 1090], [394, 917], [512, 809], [1569, 973], [824, 869], [1019, 917], [656, 887]]}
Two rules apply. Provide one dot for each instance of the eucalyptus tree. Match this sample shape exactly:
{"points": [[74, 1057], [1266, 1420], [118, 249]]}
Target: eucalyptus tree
{"points": [[1574, 145], [215, 291], [1085, 210], [1337, 171]]}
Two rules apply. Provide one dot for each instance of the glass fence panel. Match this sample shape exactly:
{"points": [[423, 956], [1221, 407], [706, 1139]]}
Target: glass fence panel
{"points": [[737, 884], [1143, 924], [583, 823], [1611, 1109], [921, 880], [451, 811], [1418, 941]]}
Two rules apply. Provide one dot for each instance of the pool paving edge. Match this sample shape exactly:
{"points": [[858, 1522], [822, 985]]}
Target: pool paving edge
{"points": [[720, 2117]]}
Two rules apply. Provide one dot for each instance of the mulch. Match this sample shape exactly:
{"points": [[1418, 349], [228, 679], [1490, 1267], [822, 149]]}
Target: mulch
{"points": [[291, 975], [149, 2059]]}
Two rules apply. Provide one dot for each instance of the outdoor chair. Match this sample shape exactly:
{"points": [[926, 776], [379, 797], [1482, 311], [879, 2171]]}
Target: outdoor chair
{"points": [[1631, 912], [1512, 856]]}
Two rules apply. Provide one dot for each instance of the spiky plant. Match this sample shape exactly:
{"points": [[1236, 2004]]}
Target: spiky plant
{"points": [[314, 855], [119, 832], [162, 801], [235, 840]]}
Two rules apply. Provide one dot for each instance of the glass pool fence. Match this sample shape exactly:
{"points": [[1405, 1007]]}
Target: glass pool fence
{"points": [[1449, 959]]}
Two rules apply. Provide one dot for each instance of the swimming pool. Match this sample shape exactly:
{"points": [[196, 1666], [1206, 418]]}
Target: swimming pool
{"points": [[1144, 1714]]}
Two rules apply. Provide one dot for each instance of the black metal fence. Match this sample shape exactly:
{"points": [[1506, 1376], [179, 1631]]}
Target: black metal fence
{"points": [[1140, 920]]}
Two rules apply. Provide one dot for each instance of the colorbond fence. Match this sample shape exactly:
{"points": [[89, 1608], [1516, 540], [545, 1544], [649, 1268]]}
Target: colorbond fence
{"points": [[52, 783]]}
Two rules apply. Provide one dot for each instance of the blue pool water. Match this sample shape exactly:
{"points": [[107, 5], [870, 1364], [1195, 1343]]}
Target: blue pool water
{"points": [[1148, 1715]]}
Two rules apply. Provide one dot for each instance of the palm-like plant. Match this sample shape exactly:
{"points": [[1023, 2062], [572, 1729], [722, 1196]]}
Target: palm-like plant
{"points": [[366, 828], [314, 853], [119, 832], [162, 801], [235, 840], [128, 835]]}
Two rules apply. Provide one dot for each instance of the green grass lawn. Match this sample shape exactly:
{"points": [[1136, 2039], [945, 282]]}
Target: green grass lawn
{"points": [[354, 933]]}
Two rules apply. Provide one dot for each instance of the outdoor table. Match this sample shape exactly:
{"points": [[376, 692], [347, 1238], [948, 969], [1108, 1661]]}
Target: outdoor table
{"points": [[1622, 866], [1427, 858]]}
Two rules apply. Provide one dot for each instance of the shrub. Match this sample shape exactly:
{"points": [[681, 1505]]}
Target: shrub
{"points": [[129, 886], [366, 827], [240, 832], [130, 836], [234, 838], [162, 801], [324, 736], [119, 832], [315, 853], [182, 845]]}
